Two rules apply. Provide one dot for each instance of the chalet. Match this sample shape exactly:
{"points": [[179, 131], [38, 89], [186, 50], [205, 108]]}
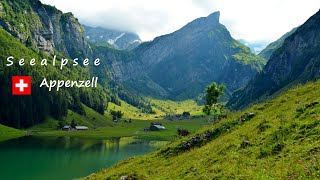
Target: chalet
{"points": [[156, 123], [66, 128], [76, 128], [155, 127], [160, 127]]}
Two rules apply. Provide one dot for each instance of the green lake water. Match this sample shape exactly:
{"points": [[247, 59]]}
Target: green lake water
{"points": [[64, 158]]}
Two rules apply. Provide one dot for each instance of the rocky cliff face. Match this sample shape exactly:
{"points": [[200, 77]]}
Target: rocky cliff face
{"points": [[68, 34], [43, 27], [298, 60], [179, 65], [111, 38]]}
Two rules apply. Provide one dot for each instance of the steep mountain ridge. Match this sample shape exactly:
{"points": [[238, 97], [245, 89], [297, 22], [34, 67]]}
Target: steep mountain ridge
{"points": [[298, 60], [179, 65]]}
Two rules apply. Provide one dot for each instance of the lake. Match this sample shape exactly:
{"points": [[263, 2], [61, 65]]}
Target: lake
{"points": [[64, 158]]}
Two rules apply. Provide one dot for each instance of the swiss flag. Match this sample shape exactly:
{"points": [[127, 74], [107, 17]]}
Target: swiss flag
{"points": [[21, 85]]}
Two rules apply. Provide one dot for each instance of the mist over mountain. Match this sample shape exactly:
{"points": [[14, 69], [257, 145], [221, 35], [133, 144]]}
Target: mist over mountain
{"points": [[112, 38], [255, 47]]}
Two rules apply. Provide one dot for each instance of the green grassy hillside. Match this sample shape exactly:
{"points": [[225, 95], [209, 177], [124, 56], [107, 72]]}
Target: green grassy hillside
{"points": [[161, 108], [91, 119], [280, 141], [9, 133]]}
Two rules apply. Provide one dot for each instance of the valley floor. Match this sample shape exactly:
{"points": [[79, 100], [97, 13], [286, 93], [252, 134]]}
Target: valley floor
{"points": [[133, 129], [279, 140], [102, 126]]}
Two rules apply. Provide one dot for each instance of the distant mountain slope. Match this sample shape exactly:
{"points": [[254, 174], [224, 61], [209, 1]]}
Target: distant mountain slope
{"points": [[268, 51], [112, 38], [298, 60], [280, 141], [255, 47], [181, 64]]}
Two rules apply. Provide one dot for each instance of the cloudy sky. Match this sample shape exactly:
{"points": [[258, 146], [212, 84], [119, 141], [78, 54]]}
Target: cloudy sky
{"points": [[255, 21]]}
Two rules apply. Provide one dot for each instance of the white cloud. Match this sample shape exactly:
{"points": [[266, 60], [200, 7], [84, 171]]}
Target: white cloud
{"points": [[252, 20]]}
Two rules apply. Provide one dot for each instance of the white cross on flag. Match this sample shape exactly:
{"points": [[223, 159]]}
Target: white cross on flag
{"points": [[21, 85]]}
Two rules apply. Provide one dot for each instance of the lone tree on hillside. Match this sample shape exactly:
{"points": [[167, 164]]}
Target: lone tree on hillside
{"points": [[213, 92]]}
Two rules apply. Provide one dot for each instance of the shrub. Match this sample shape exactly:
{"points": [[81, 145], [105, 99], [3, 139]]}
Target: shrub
{"points": [[183, 132], [185, 114], [116, 114]]}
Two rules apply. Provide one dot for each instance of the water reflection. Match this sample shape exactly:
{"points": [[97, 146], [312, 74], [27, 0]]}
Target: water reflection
{"points": [[66, 157]]}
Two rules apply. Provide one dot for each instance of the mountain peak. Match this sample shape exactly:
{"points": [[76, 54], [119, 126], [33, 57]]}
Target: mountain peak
{"points": [[205, 22], [214, 16]]}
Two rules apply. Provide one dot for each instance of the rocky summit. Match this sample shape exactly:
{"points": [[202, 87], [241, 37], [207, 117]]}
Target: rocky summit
{"points": [[181, 64]]}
